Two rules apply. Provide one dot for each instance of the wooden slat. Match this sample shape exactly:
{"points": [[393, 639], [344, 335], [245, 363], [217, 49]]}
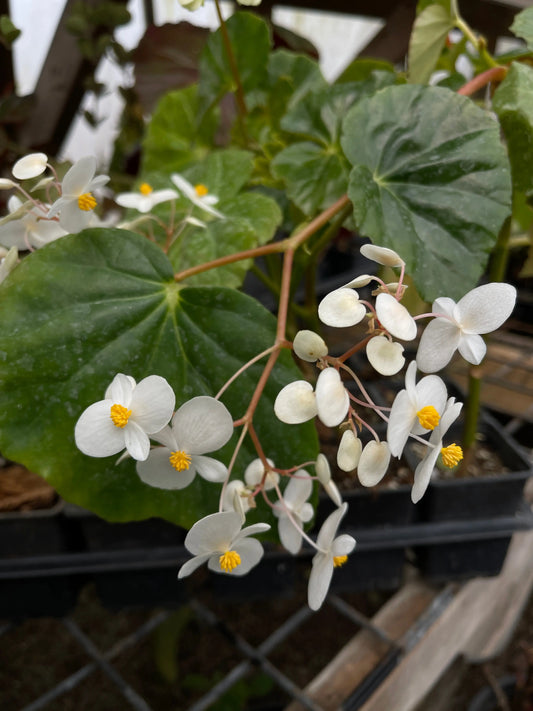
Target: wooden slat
{"points": [[475, 623], [364, 652]]}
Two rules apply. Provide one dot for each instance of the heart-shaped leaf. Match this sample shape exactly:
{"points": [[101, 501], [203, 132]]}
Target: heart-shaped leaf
{"points": [[430, 180], [104, 301]]}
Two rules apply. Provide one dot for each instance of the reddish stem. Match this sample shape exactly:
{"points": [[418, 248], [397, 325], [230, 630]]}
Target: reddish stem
{"points": [[495, 74]]}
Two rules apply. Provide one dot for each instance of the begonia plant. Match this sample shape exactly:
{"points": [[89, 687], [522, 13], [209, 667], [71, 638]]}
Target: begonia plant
{"points": [[131, 357]]}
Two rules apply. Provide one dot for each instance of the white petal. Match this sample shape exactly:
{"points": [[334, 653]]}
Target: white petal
{"points": [[401, 420], [381, 255], [341, 308], [451, 413], [252, 530], [319, 580], [322, 469], [395, 317], [234, 489], [30, 166], [444, 305], [298, 490], [349, 451], [385, 356], [472, 347], [250, 551], [423, 474], [191, 565], [309, 346], [78, 177], [374, 463], [136, 441], [7, 184], [210, 469], [95, 433], [486, 308], [166, 437], [332, 491], [157, 471], [289, 535], [120, 389], [71, 218], [152, 403], [332, 399], [343, 545], [202, 424], [360, 281], [254, 473], [183, 185], [213, 533], [437, 345], [296, 403], [328, 531]]}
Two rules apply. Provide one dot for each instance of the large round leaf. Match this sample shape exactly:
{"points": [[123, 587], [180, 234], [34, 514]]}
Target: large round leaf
{"points": [[430, 180], [90, 305]]}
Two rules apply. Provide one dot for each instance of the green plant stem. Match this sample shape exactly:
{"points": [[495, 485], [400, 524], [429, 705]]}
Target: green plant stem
{"points": [[242, 111], [500, 255], [478, 42]]}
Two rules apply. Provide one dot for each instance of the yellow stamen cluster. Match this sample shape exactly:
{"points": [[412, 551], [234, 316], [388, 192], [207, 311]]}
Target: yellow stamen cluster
{"points": [[229, 561], [145, 189], [86, 202], [451, 455], [201, 190], [180, 460], [339, 560], [428, 417], [120, 415]]}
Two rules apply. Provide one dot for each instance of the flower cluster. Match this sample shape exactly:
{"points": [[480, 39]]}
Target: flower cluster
{"points": [[170, 447], [32, 223]]}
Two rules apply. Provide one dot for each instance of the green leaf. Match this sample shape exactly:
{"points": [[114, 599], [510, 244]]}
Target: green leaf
{"points": [[315, 175], [175, 137], [8, 31], [427, 40], [430, 180], [364, 68], [104, 301], [513, 102], [250, 41], [523, 26]]}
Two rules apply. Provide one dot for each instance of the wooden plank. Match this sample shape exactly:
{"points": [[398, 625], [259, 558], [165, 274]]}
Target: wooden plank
{"points": [[474, 623], [364, 652]]}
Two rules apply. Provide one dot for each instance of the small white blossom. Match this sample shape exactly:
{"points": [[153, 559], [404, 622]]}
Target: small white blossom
{"points": [[31, 230], [145, 198], [294, 502], [236, 497], [254, 472], [309, 346], [373, 463], [382, 255], [76, 204], [129, 413], [395, 318], [384, 355], [323, 472], [7, 184], [482, 310], [416, 409], [424, 470], [341, 308], [332, 552], [201, 425], [297, 402], [197, 194], [349, 452], [219, 541], [30, 166]]}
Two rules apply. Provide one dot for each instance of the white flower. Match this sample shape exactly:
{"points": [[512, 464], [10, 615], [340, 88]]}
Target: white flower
{"points": [[349, 451], [341, 308], [425, 468], [7, 184], [415, 410], [373, 463], [323, 473], [236, 492], [30, 166], [145, 198], [309, 346], [76, 204], [218, 540], [297, 402], [8, 263], [201, 425], [395, 318], [125, 418], [294, 502], [482, 310], [253, 474], [332, 552], [384, 355], [31, 231], [381, 255], [197, 194]]}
